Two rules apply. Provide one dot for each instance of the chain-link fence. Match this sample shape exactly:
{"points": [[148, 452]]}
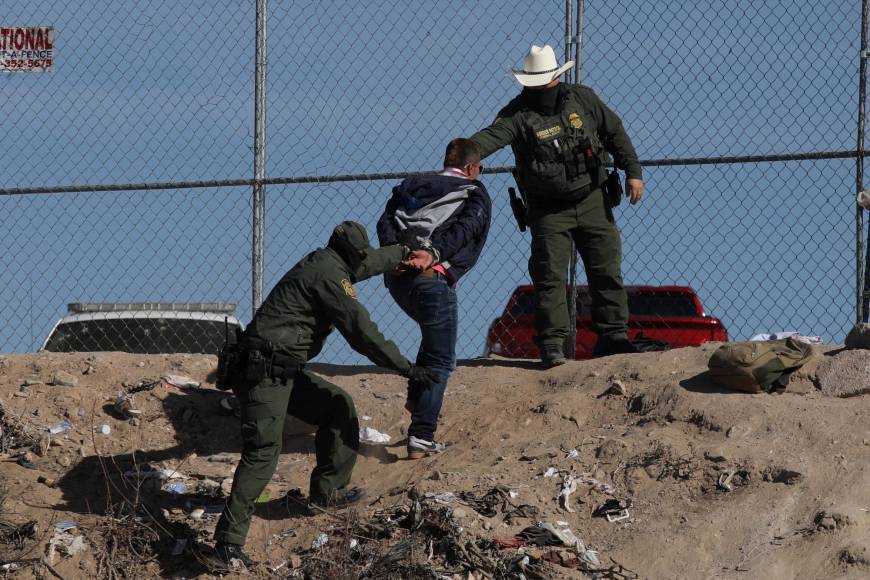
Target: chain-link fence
{"points": [[149, 100]]}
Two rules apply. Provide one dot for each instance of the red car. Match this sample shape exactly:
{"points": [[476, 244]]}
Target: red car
{"points": [[669, 313]]}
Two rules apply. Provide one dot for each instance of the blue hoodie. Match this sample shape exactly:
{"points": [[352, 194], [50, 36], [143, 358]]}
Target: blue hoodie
{"points": [[451, 213]]}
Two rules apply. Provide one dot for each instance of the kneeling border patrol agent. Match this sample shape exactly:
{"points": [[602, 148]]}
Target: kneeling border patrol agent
{"points": [[266, 371]]}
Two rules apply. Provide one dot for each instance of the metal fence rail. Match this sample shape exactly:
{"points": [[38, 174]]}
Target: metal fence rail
{"points": [[132, 177]]}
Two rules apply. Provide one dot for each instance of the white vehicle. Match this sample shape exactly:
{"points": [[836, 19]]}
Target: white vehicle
{"points": [[144, 328]]}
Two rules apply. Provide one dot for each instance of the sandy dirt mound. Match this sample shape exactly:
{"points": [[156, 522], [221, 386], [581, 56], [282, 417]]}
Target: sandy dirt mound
{"points": [[718, 484], [845, 374]]}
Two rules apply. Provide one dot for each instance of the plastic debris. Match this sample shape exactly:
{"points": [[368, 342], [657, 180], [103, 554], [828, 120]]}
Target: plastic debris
{"points": [[180, 381], [66, 525], [179, 546], [569, 486], [552, 472], [447, 497], [224, 458], [124, 406], [65, 543], [573, 454], [60, 427], [724, 481], [615, 510], [103, 429], [372, 435], [366, 418], [321, 540], [46, 481], [26, 463], [176, 488], [10, 567], [786, 334], [197, 514], [587, 479]]}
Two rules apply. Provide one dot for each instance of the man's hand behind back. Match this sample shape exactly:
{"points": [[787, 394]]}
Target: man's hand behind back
{"points": [[418, 260]]}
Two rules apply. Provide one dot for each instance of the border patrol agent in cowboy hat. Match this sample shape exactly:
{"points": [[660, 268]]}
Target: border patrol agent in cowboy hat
{"points": [[562, 136]]}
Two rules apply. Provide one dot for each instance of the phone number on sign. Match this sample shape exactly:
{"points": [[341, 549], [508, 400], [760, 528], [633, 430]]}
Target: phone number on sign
{"points": [[26, 63]]}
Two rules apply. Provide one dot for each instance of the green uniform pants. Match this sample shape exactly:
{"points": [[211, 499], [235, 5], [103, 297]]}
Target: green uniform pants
{"points": [[264, 407], [590, 223]]}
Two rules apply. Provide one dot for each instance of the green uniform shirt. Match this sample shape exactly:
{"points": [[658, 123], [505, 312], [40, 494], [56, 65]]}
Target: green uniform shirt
{"points": [[549, 150], [316, 296]]}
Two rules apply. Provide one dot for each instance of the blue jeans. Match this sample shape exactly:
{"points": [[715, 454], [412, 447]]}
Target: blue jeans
{"points": [[431, 303]]}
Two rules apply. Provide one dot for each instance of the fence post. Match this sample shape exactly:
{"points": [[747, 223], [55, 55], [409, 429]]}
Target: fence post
{"points": [[571, 351], [259, 193], [577, 43], [862, 268]]}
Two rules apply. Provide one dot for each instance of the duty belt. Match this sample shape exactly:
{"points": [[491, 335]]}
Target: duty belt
{"points": [[260, 354]]}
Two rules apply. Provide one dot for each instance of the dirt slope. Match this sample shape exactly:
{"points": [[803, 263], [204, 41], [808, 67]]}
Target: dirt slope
{"points": [[796, 463]]}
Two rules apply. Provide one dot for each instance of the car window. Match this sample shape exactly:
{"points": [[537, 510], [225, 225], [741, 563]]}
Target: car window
{"points": [[139, 335], [665, 304]]}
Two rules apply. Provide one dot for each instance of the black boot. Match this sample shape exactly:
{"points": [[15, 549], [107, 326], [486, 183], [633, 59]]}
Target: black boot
{"points": [[339, 498], [552, 355], [608, 345], [222, 559]]}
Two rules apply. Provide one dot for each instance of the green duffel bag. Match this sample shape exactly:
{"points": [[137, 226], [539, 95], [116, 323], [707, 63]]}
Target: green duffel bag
{"points": [[753, 367]]}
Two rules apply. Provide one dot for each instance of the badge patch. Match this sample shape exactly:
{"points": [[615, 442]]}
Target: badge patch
{"points": [[575, 120], [348, 288], [548, 132]]}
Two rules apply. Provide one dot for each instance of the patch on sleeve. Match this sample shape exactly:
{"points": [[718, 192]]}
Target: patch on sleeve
{"points": [[348, 288]]}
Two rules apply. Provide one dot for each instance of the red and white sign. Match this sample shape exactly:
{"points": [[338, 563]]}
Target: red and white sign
{"points": [[26, 49]]}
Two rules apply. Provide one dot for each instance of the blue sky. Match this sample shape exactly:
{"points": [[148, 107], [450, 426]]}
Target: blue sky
{"points": [[160, 91]]}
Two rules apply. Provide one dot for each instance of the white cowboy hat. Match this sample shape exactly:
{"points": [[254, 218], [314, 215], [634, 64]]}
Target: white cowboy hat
{"points": [[540, 67]]}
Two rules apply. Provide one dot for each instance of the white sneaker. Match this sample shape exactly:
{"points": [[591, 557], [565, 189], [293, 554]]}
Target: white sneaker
{"points": [[419, 448]]}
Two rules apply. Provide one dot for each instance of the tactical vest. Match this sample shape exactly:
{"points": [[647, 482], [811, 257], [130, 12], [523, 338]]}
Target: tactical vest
{"points": [[560, 156]]}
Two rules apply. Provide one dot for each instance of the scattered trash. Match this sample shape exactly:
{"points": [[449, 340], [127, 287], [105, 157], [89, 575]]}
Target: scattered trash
{"points": [[569, 486], [371, 435], [66, 525], [552, 472], [142, 385], [180, 381], [724, 480], [176, 488], [124, 406], [786, 334], [573, 454], [366, 418], [46, 481], [179, 546], [445, 498], [60, 427], [615, 510], [197, 514], [321, 540], [103, 429], [24, 462], [65, 543], [587, 479], [144, 472], [224, 458], [10, 567]]}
